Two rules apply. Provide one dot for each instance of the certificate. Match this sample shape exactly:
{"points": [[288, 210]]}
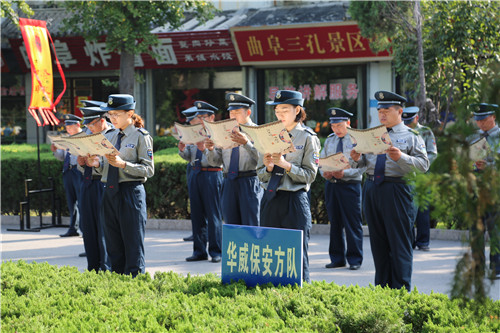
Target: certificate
{"points": [[78, 144], [270, 138], [220, 132], [479, 150], [335, 162], [191, 134], [374, 140]]}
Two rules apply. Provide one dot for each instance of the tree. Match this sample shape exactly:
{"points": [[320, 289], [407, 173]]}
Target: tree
{"points": [[127, 26], [8, 10]]}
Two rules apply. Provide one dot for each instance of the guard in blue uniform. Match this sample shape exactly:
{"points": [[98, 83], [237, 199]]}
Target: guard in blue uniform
{"points": [[241, 192], [124, 200], [205, 188], [387, 199], [423, 218], [287, 178], [71, 176], [343, 197], [92, 190], [485, 117]]}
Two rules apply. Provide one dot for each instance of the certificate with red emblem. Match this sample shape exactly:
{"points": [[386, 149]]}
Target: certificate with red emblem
{"points": [[374, 140], [270, 138]]}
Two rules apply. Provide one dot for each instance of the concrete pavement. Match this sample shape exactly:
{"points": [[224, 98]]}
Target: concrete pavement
{"points": [[166, 251]]}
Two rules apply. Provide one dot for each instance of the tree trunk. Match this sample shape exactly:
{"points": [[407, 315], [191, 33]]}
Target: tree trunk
{"points": [[126, 73], [421, 97]]}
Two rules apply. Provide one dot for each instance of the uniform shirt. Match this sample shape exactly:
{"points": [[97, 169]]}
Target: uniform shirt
{"points": [[189, 154], [413, 154], [249, 156], [304, 162], [430, 141], [493, 140], [330, 148], [60, 154], [136, 150]]}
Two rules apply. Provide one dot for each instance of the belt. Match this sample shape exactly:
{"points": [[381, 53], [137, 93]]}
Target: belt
{"points": [[96, 177], [209, 169], [340, 181], [242, 174], [133, 183], [388, 179]]}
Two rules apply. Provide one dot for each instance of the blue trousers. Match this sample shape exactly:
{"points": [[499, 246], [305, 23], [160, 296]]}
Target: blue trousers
{"points": [[91, 224], [343, 205], [388, 210], [125, 219], [72, 183], [241, 200], [423, 225], [290, 210], [490, 225], [205, 189]]}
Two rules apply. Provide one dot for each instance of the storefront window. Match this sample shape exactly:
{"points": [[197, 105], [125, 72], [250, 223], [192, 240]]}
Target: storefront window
{"points": [[13, 127], [322, 88]]}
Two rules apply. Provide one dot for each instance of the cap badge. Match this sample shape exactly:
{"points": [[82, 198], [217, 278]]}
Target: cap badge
{"points": [[333, 113], [278, 95], [231, 97], [381, 95], [198, 105], [110, 101]]}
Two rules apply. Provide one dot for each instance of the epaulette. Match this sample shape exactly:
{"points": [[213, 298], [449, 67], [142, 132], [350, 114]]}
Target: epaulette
{"points": [[333, 134], [110, 130], [309, 130], [414, 131], [143, 131]]}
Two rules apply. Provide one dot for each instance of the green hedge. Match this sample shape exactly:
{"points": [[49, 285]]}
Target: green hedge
{"points": [[44, 298], [166, 191]]}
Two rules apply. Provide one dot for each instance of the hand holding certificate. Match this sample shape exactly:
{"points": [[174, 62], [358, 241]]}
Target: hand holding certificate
{"points": [[191, 134], [335, 162], [220, 132], [374, 140], [270, 138], [479, 150], [82, 145]]}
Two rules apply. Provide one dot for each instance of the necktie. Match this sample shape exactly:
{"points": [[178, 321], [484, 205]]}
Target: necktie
{"points": [[112, 185], [340, 146], [274, 182], [234, 163], [87, 175], [197, 162], [379, 171], [66, 161]]}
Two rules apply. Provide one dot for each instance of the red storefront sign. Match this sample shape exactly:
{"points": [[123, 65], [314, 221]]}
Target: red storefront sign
{"points": [[305, 43], [211, 48]]}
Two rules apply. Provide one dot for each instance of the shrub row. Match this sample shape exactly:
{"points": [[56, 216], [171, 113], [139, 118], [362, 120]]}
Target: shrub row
{"points": [[166, 191], [43, 298]]}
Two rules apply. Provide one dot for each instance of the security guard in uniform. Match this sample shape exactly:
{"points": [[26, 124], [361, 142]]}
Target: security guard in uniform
{"points": [[387, 199], [423, 219], [124, 200], [343, 197], [485, 117], [287, 178], [241, 192], [71, 176], [91, 194], [205, 188]]}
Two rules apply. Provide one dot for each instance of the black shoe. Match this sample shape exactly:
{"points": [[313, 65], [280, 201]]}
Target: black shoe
{"points": [[188, 239], [70, 233], [423, 248], [332, 265], [216, 259], [83, 254], [354, 267], [196, 258]]}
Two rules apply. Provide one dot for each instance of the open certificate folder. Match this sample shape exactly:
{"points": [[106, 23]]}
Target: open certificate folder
{"points": [[374, 140], [479, 150], [220, 132], [78, 144], [270, 138], [335, 162], [191, 134]]}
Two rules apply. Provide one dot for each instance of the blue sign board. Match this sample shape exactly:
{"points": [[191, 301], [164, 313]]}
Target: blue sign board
{"points": [[260, 255]]}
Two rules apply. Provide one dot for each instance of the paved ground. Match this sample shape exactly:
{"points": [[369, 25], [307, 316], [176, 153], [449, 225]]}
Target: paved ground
{"points": [[166, 251]]}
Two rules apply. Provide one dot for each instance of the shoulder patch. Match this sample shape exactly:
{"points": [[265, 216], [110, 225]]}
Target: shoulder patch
{"points": [[414, 131], [310, 131], [143, 131]]}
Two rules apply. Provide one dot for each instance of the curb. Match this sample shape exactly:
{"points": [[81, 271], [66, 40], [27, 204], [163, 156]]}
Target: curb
{"points": [[164, 224]]}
